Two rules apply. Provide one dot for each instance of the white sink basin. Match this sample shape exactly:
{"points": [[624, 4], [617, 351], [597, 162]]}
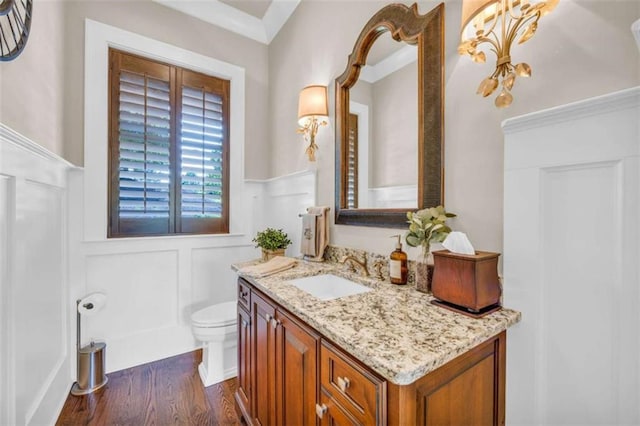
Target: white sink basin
{"points": [[329, 287]]}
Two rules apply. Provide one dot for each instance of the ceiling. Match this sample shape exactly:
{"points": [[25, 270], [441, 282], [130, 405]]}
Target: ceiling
{"points": [[259, 20], [255, 8]]}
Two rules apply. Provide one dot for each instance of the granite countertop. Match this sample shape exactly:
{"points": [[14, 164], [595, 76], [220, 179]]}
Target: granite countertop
{"points": [[395, 330]]}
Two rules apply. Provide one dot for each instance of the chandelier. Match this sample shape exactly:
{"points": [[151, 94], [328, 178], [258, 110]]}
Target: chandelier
{"points": [[499, 23]]}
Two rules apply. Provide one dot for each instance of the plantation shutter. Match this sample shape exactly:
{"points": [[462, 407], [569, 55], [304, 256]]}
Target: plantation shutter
{"points": [[169, 142], [204, 137], [141, 126], [352, 163]]}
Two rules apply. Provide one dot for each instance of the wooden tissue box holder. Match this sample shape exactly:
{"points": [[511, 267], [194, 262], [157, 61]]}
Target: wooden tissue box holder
{"points": [[467, 284]]}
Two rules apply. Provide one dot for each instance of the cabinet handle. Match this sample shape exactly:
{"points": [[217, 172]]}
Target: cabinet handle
{"points": [[320, 410], [343, 383], [268, 317], [275, 322], [245, 324]]}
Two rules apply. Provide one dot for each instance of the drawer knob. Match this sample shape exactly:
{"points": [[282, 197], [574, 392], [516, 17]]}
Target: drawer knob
{"points": [[275, 322], [320, 410], [267, 317], [343, 383]]}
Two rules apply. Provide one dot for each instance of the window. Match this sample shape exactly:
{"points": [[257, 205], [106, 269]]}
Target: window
{"points": [[169, 149]]}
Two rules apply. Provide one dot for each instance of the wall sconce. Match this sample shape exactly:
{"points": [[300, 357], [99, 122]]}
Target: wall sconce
{"points": [[498, 23], [312, 106]]}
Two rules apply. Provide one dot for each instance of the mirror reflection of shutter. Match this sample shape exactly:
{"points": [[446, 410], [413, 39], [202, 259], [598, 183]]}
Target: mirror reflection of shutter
{"points": [[141, 101], [352, 163], [204, 153]]}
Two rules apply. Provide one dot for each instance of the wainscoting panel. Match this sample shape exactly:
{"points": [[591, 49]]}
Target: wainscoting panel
{"points": [[212, 280], [142, 283], [7, 378], [286, 197], [571, 250], [154, 284], [35, 359]]}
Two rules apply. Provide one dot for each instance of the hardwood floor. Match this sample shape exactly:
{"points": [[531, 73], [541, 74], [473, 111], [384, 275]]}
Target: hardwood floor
{"points": [[166, 392]]}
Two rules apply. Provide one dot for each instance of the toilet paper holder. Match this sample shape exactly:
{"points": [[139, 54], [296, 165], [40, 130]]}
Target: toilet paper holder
{"points": [[90, 364]]}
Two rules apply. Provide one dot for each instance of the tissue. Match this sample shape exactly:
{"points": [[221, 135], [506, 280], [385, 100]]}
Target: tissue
{"points": [[91, 304], [457, 242]]}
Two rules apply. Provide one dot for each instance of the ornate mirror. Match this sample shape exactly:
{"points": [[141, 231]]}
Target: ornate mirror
{"points": [[389, 119]]}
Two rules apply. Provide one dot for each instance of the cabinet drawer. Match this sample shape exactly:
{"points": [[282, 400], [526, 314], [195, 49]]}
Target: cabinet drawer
{"points": [[355, 388], [244, 295], [334, 414]]}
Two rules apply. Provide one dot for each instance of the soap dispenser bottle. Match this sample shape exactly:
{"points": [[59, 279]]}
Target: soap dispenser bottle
{"points": [[398, 264]]}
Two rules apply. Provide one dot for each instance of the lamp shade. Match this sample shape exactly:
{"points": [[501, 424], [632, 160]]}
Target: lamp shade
{"points": [[472, 8], [312, 102]]}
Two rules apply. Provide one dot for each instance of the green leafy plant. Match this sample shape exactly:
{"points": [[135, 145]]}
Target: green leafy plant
{"points": [[272, 239], [427, 226]]}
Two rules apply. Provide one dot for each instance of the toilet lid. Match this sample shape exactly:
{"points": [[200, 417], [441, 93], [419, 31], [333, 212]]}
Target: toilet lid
{"points": [[219, 315]]}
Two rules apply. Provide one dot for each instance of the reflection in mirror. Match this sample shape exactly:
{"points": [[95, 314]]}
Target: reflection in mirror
{"points": [[383, 129], [389, 119]]}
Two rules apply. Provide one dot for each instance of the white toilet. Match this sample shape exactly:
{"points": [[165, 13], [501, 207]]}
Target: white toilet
{"points": [[216, 327]]}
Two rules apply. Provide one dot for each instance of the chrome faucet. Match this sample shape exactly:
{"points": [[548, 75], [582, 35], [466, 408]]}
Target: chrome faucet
{"points": [[362, 264]]}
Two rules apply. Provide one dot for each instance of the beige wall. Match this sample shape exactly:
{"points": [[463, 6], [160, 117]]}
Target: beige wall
{"points": [[582, 49], [32, 85], [53, 64]]}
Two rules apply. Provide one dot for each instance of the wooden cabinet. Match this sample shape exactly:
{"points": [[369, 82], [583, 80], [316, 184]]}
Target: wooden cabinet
{"points": [[468, 390], [243, 394], [288, 374], [263, 360], [283, 367], [296, 372]]}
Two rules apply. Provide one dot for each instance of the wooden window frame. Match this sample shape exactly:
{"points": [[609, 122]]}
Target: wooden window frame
{"points": [[177, 77]]}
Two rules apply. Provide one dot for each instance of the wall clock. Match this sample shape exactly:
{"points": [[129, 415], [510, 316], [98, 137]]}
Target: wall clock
{"points": [[15, 22]]}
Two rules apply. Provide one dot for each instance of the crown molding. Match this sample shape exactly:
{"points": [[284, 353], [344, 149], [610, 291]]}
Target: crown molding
{"points": [[228, 17]]}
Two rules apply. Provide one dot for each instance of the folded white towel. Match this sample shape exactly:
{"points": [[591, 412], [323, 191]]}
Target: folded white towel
{"points": [[273, 266]]}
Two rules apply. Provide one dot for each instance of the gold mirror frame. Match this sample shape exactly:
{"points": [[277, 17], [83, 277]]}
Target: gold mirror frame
{"points": [[427, 32]]}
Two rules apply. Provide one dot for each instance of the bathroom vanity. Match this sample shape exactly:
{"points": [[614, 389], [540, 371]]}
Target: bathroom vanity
{"points": [[385, 356]]}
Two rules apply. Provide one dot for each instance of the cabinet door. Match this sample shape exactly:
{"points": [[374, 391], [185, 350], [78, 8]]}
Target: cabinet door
{"points": [[243, 394], [263, 361], [468, 390], [297, 378]]}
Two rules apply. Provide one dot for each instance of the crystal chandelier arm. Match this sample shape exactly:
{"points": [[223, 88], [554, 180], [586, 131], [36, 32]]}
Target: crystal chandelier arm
{"points": [[511, 8], [494, 22], [494, 43], [520, 23]]}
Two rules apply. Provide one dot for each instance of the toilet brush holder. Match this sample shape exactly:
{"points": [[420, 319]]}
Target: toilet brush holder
{"points": [[91, 358], [91, 374]]}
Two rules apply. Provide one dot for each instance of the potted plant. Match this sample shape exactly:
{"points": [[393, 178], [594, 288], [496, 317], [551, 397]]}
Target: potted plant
{"points": [[273, 242], [426, 226]]}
